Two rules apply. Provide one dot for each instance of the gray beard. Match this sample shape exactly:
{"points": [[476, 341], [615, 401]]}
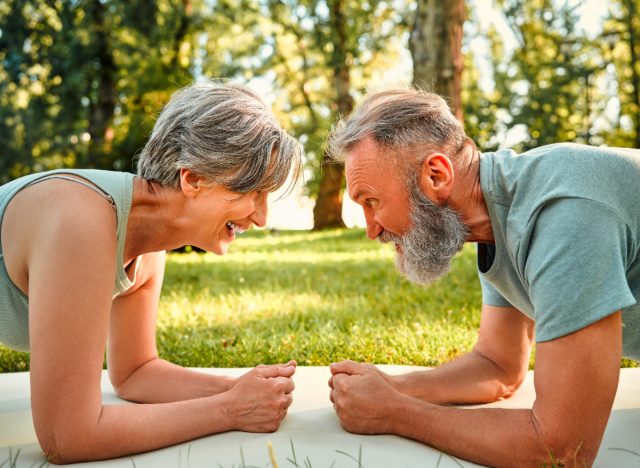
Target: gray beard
{"points": [[435, 236]]}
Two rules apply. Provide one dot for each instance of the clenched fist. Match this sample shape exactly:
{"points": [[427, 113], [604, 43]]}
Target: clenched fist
{"points": [[259, 400], [363, 397]]}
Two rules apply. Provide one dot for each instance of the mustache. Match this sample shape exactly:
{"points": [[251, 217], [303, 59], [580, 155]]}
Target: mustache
{"points": [[386, 237]]}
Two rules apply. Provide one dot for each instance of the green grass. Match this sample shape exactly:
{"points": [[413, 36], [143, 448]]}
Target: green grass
{"points": [[312, 297]]}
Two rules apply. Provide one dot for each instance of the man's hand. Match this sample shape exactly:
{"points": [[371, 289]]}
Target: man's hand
{"points": [[362, 397], [259, 400], [359, 368]]}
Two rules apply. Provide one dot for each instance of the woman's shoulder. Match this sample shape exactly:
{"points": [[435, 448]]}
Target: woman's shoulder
{"points": [[59, 208]]}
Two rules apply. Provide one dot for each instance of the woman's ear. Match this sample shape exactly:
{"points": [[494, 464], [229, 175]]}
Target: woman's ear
{"points": [[189, 183], [436, 177]]}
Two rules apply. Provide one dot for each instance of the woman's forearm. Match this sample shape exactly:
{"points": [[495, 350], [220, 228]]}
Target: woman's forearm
{"points": [[126, 429], [159, 381], [256, 403]]}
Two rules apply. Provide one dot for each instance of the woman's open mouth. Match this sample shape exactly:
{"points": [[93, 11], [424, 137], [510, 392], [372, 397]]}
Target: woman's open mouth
{"points": [[233, 229]]}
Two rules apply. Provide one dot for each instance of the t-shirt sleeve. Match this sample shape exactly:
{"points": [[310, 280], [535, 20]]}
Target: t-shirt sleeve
{"points": [[490, 295], [576, 266]]}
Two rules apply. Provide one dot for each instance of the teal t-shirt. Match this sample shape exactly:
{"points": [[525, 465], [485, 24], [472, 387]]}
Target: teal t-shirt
{"points": [[566, 222]]}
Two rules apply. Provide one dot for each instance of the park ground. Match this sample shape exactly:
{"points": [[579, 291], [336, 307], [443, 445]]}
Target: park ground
{"points": [[316, 297]]}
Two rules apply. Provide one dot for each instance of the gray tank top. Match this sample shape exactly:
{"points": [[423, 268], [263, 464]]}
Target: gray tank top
{"points": [[117, 187]]}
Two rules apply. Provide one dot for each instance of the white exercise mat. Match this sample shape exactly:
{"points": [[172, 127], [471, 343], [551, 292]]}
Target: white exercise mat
{"points": [[310, 436]]}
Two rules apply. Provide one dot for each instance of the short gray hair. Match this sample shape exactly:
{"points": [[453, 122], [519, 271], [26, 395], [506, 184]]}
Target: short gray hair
{"points": [[224, 133], [406, 120]]}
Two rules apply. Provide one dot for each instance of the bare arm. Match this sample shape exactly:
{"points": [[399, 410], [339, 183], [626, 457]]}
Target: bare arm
{"points": [[493, 370], [71, 265], [575, 379], [136, 371]]}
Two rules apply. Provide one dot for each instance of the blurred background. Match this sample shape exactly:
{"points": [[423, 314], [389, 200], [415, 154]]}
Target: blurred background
{"points": [[81, 81]]}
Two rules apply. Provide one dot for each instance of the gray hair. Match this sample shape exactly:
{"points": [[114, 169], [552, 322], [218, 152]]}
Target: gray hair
{"points": [[408, 120], [224, 133]]}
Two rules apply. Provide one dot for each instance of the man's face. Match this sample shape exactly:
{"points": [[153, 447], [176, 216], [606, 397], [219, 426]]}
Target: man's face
{"points": [[426, 236]]}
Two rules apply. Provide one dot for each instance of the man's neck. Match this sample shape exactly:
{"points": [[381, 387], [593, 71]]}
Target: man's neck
{"points": [[467, 197]]}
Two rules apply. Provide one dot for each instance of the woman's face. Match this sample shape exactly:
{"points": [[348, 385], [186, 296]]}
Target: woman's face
{"points": [[220, 214]]}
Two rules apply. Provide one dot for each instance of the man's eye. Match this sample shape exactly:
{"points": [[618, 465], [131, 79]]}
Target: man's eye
{"points": [[369, 202]]}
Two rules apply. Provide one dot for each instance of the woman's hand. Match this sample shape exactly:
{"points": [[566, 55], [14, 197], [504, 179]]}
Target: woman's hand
{"points": [[259, 400]]}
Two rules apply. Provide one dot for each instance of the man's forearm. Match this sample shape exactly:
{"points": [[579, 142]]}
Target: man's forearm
{"points": [[469, 379], [159, 381], [489, 436]]}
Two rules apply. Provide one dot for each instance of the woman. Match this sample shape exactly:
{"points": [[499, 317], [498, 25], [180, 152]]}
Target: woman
{"points": [[67, 236]]}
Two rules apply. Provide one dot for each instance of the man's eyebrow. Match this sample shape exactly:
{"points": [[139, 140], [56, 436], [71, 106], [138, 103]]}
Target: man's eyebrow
{"points": [[356, 195]]}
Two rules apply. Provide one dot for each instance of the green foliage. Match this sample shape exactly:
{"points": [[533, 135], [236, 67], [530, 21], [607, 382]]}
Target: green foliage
{"points": [[621, 32], [547, 84], [81, 82], [305, 55], [480, 108]]}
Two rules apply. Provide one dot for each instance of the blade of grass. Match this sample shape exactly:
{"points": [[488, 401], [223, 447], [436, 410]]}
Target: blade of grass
{"points": [[625, 450]]}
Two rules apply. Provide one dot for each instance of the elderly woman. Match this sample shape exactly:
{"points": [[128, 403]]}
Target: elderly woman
{"points": [[81, 268]]}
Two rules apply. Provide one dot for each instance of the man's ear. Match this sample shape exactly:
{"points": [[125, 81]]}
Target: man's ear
{"points": [[436, 177], [189, 183]]}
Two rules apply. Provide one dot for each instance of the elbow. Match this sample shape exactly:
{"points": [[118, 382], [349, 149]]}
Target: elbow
{"points": [[507, 387], [62, 453], [561, 444], [128, 392], [65, 444], [119, 385], [562, 451], [501, 388], [128, 385], [123, 391]]}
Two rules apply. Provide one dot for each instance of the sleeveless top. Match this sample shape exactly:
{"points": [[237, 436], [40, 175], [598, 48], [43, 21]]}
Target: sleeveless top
{"points": [[117, 188]]}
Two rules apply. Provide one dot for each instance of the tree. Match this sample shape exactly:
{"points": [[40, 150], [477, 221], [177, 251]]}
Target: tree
{"points": [[480, 107], [547, 85], [323, 54], [620, 49], [327, 211], [436, 48], [88, 75]]}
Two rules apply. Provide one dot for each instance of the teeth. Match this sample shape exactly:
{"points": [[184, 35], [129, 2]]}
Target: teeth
{"points": [[236, 229]]}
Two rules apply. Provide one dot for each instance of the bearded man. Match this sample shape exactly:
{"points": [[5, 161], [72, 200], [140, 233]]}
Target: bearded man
{"points": [[558, 241]]}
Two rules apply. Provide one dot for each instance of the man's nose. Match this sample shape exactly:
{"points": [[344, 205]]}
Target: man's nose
{"points": [[373, 228]]}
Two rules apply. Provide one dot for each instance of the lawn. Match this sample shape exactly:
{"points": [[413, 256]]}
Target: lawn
{"points": [[312, 297]]}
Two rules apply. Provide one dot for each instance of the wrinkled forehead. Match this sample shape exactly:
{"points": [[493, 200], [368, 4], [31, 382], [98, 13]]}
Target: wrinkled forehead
{"points": [[367, 166], [364, 154], [373, 157]]}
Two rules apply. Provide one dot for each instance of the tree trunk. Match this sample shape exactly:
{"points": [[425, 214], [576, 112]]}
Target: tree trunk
{"points": [[635, 77], [103, 104], [327, 212], [436, 48]]}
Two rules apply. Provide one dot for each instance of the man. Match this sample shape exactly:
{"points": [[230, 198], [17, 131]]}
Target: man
{"points": [[558, 234]]}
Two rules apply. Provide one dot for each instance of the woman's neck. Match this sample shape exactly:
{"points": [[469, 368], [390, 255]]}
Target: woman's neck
{"points": [[156, 220]]}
